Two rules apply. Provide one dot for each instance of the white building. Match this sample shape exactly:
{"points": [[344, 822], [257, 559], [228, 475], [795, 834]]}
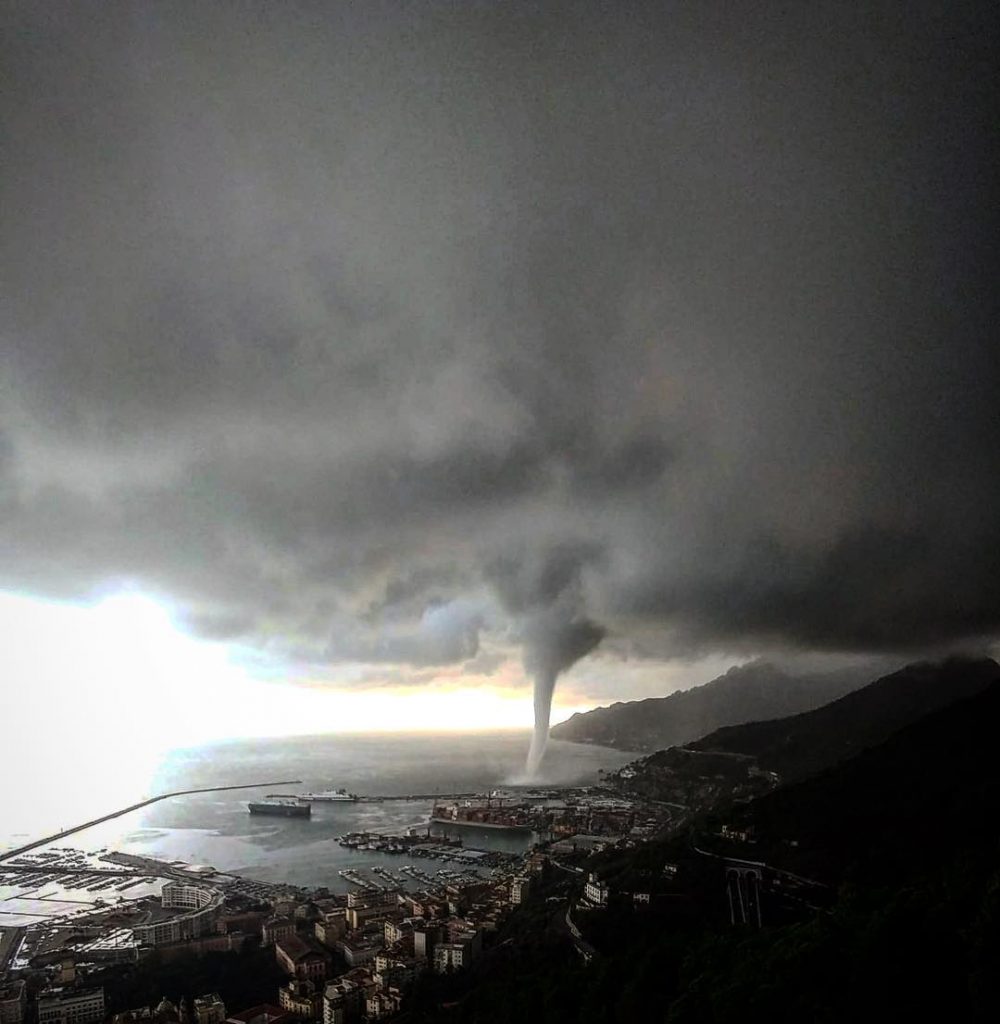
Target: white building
{"points": [[209, 1009], [199, 906], [453, 956], [596, 891], [394, 931], [185, 896], [359, 950], [301, 998], [71, 1006], [398, 972], [361, 912], [344, 999], [519, 889], [380, 1005]]}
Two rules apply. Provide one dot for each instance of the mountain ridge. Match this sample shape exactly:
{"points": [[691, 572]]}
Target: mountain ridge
{"points": [[799, 745], [745, 693]]}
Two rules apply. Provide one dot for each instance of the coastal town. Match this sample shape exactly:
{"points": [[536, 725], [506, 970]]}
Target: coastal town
{"points": [[433, 899]]}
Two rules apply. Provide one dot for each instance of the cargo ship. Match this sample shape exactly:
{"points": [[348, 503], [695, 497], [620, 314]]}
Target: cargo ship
{"points": [[283, 806], [332, 796]]}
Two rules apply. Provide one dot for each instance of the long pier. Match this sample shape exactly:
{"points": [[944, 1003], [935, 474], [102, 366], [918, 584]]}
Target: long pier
{"points": [[7, 854], [36, 868]]}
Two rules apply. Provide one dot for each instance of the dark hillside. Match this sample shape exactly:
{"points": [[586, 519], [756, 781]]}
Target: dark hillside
{"points": [[803, 744]]}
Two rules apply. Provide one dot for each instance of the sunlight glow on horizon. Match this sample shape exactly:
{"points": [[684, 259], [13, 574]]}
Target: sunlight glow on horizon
{"points": [[93, 699], [120, 674]]}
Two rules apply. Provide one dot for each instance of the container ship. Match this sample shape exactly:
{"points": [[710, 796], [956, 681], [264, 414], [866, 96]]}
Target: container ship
{"points": [[283, 806], [332, 796]]}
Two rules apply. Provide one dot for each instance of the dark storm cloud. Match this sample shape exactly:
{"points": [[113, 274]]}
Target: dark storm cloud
{"points": [[446, 633], [532, 580], [365, 330]]}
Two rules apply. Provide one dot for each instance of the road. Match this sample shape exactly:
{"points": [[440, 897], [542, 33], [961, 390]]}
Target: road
{"points": [[798, 879], [566, 867], [134, 807], [582, 946]]}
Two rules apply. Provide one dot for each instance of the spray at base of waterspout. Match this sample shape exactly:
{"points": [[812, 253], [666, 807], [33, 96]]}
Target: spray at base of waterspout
{"points": [[553, 643]]}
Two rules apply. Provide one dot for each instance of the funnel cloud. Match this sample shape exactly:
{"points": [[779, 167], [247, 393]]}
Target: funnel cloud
{"points": [[552, 644]]}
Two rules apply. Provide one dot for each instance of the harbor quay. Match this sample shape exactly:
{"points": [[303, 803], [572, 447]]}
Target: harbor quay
{"points": [[427, 898]]}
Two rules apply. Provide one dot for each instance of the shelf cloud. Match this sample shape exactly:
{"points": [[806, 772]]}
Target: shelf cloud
{"points": [[371, 331]]}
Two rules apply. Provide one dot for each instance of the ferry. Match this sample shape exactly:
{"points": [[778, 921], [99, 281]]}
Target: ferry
{"points": [[331, 796], [285, 806]]}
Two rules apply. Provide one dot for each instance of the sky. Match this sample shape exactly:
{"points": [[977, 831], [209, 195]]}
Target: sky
{"points": [[369, 358]]}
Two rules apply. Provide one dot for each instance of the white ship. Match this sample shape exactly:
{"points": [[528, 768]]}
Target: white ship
{"points": [[331, 796]]}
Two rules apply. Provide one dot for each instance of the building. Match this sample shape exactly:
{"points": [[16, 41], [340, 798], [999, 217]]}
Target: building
{"points": [[582, 843], [397, 971], [359, 949], [265, 1013], [425, 938], [141, 1015], [275, 928], [209, 1009], [740, 833], [344, 999], [331, 926], [358, 914], [67, 972], [165, 1012], [307, 912], [301, 958], [595, 891], [458, 953], [520, 887], [382, 1005], [302, 999], [71, 1006], [186, 912], [186, 896], [393, 931], [249, 921], [13, 1001]]}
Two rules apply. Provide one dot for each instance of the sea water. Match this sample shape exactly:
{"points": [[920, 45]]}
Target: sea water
{"points": [[217, 829]]}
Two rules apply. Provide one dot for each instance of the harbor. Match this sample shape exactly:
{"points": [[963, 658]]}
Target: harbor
{"points": [[419, 845], [209, 825]]}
